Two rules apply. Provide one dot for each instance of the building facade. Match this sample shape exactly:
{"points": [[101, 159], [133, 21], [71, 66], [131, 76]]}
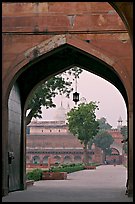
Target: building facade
{"points": [[50, 142]]}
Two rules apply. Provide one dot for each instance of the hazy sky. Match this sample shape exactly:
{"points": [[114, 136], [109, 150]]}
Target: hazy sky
{"points": [[111, 106]]}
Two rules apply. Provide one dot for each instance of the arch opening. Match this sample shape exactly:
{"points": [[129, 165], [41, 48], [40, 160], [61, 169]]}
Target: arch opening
{"points": [[60, 60], [24, 94]]}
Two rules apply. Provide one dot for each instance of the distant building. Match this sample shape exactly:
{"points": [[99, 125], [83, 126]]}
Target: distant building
{"points": [[52, 141]]}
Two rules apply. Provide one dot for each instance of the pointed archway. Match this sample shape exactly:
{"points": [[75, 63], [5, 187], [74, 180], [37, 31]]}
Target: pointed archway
{"points": [[23, 66], [43, 61]]}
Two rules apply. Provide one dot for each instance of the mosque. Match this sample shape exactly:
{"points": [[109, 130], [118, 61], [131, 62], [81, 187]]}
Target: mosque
{"points": [[52, 142]]}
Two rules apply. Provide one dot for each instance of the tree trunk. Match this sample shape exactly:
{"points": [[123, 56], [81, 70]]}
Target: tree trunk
{"points": [[104, 156], [29, 117], [86, 160]]}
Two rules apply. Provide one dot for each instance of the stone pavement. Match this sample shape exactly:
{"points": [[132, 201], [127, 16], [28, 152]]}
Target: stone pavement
{"points": [[105, 184]]}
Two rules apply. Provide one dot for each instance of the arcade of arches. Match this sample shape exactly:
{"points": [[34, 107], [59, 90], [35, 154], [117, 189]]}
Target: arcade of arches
{"points": [[40, 40]]}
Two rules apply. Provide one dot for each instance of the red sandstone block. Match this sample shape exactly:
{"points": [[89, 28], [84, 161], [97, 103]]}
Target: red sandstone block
{"points": [[101, 6], [78, 7], [90, 167], [18, 9], [97, 21], [54, 175]]}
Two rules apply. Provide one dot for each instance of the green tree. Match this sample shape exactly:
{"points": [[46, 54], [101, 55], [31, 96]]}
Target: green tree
{"points": [[103, 125], [103, 140], [124, 131], [125, 136], [83, 124], [47, 91]]}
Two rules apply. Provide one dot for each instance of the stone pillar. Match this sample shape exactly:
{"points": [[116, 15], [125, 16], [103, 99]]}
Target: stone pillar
{"points": [[130, 152]]}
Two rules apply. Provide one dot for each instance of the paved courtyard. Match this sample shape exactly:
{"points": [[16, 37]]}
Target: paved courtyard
{"points": [[105, 184]]}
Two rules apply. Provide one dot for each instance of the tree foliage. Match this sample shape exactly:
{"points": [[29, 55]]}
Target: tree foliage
{"points": [[125, 136], [83, 124], [103, 140], [103, 125], [123, 131], [47, 91]]}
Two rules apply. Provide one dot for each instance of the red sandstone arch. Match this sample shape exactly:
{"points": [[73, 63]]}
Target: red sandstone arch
{"points": [[124, 70], [55, 42], [55, 48]]}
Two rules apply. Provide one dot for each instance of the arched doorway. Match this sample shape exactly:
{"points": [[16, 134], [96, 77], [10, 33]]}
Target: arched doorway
{"points": [[55, 61], [27, 76]]}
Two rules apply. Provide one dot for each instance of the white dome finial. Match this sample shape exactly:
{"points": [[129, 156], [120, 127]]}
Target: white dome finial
{"points": [[60, 113], [119, 123]]}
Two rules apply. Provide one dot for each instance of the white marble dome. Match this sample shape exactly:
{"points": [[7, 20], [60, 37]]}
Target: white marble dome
{"points": [[60, 113]]}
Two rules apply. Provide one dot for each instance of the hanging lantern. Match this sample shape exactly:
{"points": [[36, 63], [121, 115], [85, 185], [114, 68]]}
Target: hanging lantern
{"points": [[75, 97], [75, 94]]}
